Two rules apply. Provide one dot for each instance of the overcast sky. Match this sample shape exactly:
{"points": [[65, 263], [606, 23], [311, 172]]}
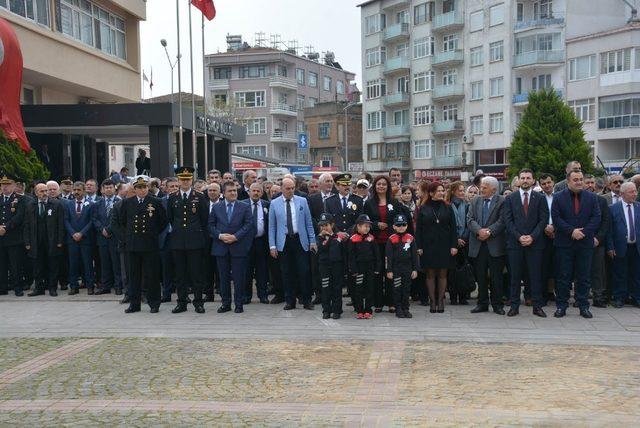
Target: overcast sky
{"points": [[328, 25]]}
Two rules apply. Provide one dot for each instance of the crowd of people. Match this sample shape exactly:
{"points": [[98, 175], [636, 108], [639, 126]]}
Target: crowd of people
{"points": [[376, 240]]}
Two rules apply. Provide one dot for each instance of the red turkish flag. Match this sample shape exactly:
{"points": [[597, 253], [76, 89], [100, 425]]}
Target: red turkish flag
{"points": [[10, 86], [206, 7]]}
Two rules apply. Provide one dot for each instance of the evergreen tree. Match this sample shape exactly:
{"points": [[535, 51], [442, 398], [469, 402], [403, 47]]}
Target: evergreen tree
{"points": [[548, 136], [23, 165]]}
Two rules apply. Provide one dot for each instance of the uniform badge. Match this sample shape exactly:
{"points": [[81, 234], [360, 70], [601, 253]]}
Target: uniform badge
{"points": [[390, 207], [13, 205], [349, 204], [150, 210], [407, 245], [49, 212], [193, 209]]}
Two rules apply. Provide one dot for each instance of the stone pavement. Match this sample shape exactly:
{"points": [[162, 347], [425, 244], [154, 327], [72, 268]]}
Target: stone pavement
{"points": [[83, 362]]}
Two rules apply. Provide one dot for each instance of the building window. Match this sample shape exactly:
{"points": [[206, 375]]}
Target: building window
{"points": [[495, 122], [250, 99], [519, 12], [323, 130], [373, 151], [252, 71], [300, 102], [221, 73], [477, 125], [403, 85], [615, 61], [311, 102], [450, 43], [541, 82], [340, 87], [376, 88], [448, 6], [255, 126], [300, 76], [476, 90], [219, 100], [423, 81], [449, 77], [543, 9], [496, 87], [376, 120], [327, 161], [374, 24], [496, 51], [401, 117], [423, 47], [450, 148], [327, 83], [376, 56], [300, 127], [584, 109], [402, 17], [637, 58], [423, 115], [402, 49], [583, 67], [313, 79], [252, 150], [423, 12], [35, 10], [476, 21], [619, 113], [477, 56], [423, 149], [450, 112], [496, 15], [492, 157]]}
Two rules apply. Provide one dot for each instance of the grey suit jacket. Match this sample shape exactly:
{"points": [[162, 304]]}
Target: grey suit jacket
{"points": [[609, 197], [497, 241]]}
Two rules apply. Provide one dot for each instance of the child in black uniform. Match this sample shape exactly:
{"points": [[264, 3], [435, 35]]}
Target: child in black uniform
{"points": [[331, 266], [401, 262], [364, 263]]}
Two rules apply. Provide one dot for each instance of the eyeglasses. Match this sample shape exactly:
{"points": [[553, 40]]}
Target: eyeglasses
{"points": [[617, 182]]}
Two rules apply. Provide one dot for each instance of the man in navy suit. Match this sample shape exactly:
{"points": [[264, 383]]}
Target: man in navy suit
{"points": [[623, 247], [80, 239], [259, 253], [576, 217], [291, 237], [525, 215], [231, 228], [106, 241]]}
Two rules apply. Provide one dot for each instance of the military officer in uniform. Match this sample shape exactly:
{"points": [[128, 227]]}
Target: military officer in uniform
{"points": [[143, 218], [188, 214], [11, 236], [344, 206]]}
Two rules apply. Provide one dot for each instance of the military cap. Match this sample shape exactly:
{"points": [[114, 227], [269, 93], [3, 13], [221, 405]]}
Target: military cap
{"points": [[184, 172], [400, 220], [363, 182], [363, 218], [66, 179], [7, 178], [344, 179], [140, 181], [325, 218]]}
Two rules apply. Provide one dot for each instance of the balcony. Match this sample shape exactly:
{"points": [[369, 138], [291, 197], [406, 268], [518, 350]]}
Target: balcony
{"points": [[534, 58], [284, 109], [283, 137], [396, 131], [397, 163], [447, 161], [219, 84], [449, 21], [398, 4], [443, 127], [396, 32], [523, 99], [397, 65], [448, 92], [397, 99], [283, 82], [557, 20], [449, 58], [621, 77]]}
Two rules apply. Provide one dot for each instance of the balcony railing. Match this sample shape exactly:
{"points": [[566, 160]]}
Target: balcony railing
{"points": [[539, 22], [397, 31], [524, 97], [447, 161], [393, 131], [448, 21], [538, 57], [448, 58], [397, 163], [396, 99], [280, 108], [284, 137], [396, 64], [282, 82], [448, 126], [448, 91], [219, 84]]}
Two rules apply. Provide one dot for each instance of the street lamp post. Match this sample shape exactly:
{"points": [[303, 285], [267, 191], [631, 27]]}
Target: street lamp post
{"points": [[172, 65]]}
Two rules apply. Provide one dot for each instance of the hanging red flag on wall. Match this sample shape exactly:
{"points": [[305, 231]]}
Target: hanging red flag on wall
{"points": [[10, 86], [206, 7]]}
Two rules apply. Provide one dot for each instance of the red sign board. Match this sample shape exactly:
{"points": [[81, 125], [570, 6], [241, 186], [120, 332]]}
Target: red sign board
{"points": [[325, 168], [249, 165], [436, 173]]}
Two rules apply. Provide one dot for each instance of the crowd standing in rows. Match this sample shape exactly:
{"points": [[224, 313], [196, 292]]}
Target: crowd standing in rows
{"points": [[377, 240]]}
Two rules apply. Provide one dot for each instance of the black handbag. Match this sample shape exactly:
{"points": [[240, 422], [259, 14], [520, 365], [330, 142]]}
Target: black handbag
{"points": [[465, 279]]}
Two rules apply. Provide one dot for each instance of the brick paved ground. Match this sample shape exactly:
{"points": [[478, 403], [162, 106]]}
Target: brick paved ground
{"points": [[67, 363]]}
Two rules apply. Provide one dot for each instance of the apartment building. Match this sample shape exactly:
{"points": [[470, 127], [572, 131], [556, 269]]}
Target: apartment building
{"points": [[268, 89], [446, 81]]}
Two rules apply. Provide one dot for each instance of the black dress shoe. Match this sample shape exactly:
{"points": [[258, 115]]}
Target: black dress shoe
{"points": [[276, 300], [479, 309], [125, 299], [64, 287], [408, 314], [559, 313], [154, 310], [118, 291], [131, 309], [326, 315], [165, 299], [53, 293], [36, 292], [178, 309], [223, 309], [101, 291], [91, 291], [513, 312], [498, 311], [336, 316], [288, 307], [599, 304], [238, 310], [199, 309], [586, 313], [19, 293], [539, 312], [73, 291], [400, 314], [308, 306]]}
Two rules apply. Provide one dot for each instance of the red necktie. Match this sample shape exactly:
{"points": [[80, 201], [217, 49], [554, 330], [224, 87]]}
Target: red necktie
{"points": [[525, 205], [576, 203]]}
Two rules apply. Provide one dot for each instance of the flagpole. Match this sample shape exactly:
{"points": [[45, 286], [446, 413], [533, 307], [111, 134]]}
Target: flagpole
{"points": [[180, 142], [193, 97], [204, 102]]}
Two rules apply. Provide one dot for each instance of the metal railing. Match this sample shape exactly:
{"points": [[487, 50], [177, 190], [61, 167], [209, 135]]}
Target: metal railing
{"points": [[444, 20], [538, 57]]}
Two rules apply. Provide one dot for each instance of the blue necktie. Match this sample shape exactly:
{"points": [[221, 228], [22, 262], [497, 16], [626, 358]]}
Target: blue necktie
{"points": [[229, 212], [485, 212]]}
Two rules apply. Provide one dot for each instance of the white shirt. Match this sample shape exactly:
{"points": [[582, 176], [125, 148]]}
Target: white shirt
{"points": [[260, 220], [625, 209], [615, 198], [211, 204], [294, 215], [549, 202], [188, 193]]}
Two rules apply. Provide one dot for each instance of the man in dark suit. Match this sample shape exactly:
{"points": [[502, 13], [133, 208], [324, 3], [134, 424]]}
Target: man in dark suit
{"points": [[119, 234], [143, 219], [623, 246], [576, 218], [212, 279], [43, 240], [487, 244], [231, 229], [525, 215], [188, 214], [12, 207], [80, 239], [164, 243], [598, 265], [345, 207], [248, 178], [259, 252], [106, 241], [547, 182]]}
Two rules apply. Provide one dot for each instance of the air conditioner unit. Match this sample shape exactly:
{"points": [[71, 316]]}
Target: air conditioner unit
{"points": [[467, 139]]}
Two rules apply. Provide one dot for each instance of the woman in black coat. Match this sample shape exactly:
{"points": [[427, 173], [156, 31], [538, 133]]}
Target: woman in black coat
{"points": [[437, 241]]}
